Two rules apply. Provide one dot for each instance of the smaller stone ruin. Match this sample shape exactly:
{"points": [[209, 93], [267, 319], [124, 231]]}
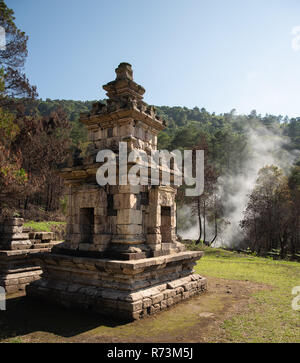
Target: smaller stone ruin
{"points": [[18, 250]]}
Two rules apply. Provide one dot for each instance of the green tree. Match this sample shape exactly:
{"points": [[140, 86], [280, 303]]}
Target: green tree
{"points": [[267, 220], [12, 59]]}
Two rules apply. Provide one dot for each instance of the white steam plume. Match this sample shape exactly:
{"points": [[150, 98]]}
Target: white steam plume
{"points": [[264, 147]]}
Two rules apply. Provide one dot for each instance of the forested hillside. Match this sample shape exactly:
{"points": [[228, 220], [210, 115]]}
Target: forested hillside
{"points": [[236, 147], [185, 126]]}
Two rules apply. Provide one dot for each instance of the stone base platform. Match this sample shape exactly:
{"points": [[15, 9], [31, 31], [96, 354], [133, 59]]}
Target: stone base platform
{"points": [[19, 268], [128, 290]]}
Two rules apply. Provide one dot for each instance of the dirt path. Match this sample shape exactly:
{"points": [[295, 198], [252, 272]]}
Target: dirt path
{"points": [[196, 320]]}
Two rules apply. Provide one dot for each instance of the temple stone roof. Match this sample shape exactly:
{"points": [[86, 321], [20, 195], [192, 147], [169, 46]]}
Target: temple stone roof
{"points": [[123, 94]]}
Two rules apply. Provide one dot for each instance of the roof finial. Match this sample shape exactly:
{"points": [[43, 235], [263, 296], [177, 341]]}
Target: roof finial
{"points": [[124, 71]]}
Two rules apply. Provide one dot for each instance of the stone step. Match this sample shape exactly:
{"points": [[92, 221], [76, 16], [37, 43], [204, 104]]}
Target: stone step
{"points": [[35, 241], [20, 245], [12, 229], [44, 236], [14, 236], [44, 245]]}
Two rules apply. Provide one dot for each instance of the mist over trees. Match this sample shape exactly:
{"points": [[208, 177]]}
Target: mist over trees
{"points": [[236, 148]]}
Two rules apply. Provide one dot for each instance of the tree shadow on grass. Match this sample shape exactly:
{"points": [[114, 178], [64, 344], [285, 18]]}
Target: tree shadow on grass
{"points": [[26, 315]]}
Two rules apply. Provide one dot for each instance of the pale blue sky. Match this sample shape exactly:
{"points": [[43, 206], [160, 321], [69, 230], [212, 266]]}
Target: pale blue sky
{"points": [[217, 54]]}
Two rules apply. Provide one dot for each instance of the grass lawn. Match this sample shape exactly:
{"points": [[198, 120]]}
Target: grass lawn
{"points": [[248, 300], [271, 318], [43, 226]]}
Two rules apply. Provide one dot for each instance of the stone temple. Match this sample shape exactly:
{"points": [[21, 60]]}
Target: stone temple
{"points": [[121, 254]]}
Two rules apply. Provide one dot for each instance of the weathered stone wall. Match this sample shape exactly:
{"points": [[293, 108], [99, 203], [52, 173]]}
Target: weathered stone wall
{"points": [[131, 223], [18, 251], [94, 197], [131, 289], [143, 136], [18, 269]]}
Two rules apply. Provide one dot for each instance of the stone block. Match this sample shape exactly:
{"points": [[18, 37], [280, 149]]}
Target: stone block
{"points": [[178, 282], [170, 301], [133, 297], [100, 210], [87, 247], [169, 294], [154, 309], [100, 228], [120, 189], [194, 284], [75, 228], [179, 290], [167, 246], [187, 286], [186, 295], [14, 222], [157, 298], [75, 238], [101, 239], [147, 303], [137, 314], [45, 236], [101, 220], [163, 304], [11, 229], [136, 306], [111, 294], [154, 239], [129, 216], [125, 201], [15, 236], [161, 287], [155, 247], [129, 229], [148, 293], [177, 299], [21, 245], [9, 282], [25, 280], [193, 292]]}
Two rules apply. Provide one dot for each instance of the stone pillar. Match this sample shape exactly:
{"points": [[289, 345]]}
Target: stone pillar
{"points": [[128, 238]]}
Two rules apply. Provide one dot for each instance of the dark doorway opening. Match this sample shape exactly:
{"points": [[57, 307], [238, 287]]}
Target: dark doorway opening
{"points": [[166, 225], [87, 225], [111, 212], [110, 132]]}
